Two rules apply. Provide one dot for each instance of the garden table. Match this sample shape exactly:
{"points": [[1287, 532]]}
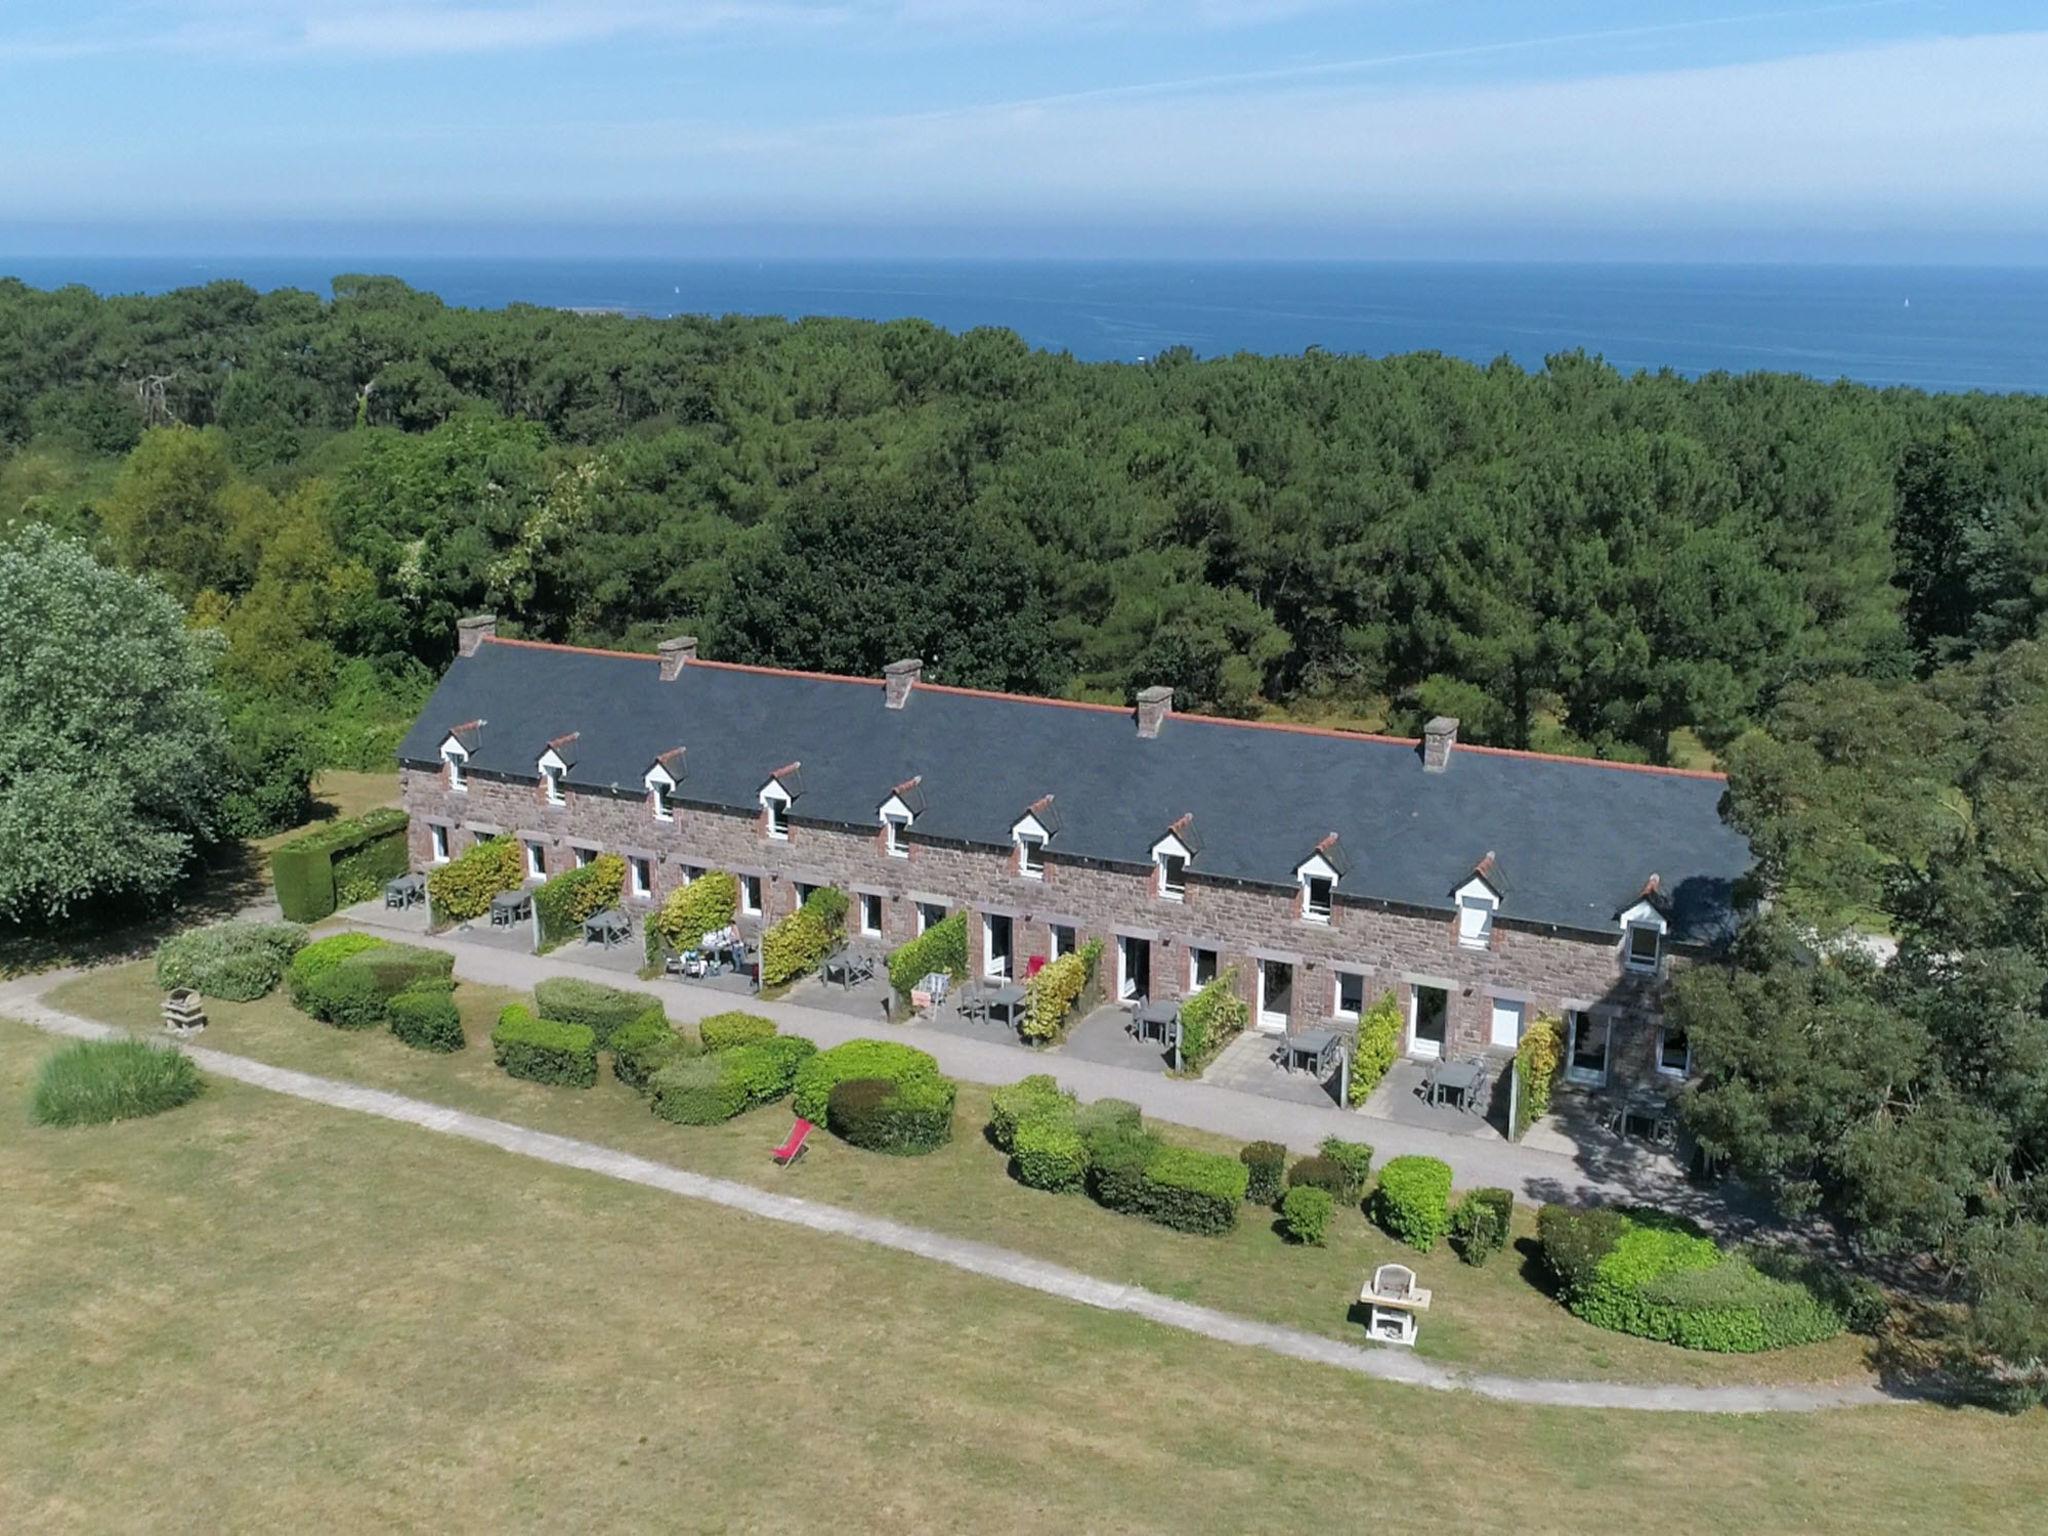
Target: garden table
{"points": [[608, 927], [1312, 1045], [509, 907], [405, 891], [1005, 1000], [1150, 1019], [1457, 1078]]}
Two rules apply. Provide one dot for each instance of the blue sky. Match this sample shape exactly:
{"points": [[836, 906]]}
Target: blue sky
{"points": [[1900, 130]]}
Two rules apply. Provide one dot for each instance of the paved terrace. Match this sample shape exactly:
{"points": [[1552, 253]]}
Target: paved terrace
{"points": [[1594, 1169]]}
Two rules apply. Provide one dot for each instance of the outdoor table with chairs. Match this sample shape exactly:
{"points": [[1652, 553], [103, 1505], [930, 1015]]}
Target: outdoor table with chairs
{"points": [[1649, 1117], [1314, 1048], [1006, 1000], [608, 927], [509, 907], [720, 949], [1463, 1080], [405, 891], [848, 968]]}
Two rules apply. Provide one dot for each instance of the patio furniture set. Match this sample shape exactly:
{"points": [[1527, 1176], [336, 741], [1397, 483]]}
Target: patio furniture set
{"points": [[405, 891], [720, 951], [1313, 1050], [1465, 1079], [983, 1002]]}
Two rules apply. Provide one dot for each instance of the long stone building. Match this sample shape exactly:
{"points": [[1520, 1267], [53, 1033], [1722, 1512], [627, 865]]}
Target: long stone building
{"points": [[1480, 886]]}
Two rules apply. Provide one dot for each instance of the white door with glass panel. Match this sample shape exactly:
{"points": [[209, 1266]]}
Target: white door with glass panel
{"points": [[1429, 1015], [1507, 1024]]}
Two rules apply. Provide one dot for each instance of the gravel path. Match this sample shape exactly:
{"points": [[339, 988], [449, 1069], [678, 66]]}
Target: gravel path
{"points": [[23, 999]]}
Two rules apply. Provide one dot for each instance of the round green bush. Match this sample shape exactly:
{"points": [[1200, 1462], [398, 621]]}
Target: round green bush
{"points": [[723, 1031], [96, 1082], [1014, 1103], [1413, 1201], [1305, 1214], [643, 1047], [600, 1008], [1479, 1226], [1319, 1172], [346, 996], [1355, 1158], [1661, 1277], [858, 1058], [1048, 1153], [426, 1019], [877, 1115], [236, 962], [695, 1091], [320, 957], [1265, 1163]]}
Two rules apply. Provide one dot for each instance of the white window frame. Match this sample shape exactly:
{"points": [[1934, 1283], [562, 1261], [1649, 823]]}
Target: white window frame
{"points": [[1030, 836], [640, 876], [1337, 1008], [1168, 854], [585, 857], [750, 895], [457, 762], [1478, 905], [1311, 910], [803, 891], [552, 772], [1682, 1071], [870, 930], [536, 860], [661, 789], [1195, 953], [775, 801], [1572, 1071], [925, 920], [896, 836], [438, 842], [1642, 918], [1066, 938]]}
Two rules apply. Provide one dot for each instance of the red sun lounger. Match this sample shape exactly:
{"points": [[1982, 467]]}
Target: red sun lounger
{"points": [[792, 1149]]}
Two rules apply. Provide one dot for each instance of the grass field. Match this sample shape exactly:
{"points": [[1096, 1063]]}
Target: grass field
{"points": [[253, 1312], [1495, 1318]]}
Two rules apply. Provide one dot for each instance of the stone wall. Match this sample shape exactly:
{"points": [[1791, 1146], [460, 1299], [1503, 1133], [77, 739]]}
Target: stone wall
{"points": [[1395, 949]]}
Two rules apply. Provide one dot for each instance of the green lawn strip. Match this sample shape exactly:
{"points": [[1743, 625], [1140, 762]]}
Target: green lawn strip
{"points": [[392, 1329], [1493, 1318]]}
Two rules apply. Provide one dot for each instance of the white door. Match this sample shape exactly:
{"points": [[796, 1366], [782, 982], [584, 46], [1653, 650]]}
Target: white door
{"points": [[1507, 1024], [1428, 1018], [1276, 995]]}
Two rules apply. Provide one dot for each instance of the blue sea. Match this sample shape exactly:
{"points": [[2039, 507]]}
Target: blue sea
{"points": [[1937, 328]]}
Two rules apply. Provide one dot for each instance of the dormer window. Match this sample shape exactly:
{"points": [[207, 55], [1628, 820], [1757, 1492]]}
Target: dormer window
{"points": [[904, 805], [1031, 832], [1643, 929], [1318, 895], [1170, 857], [776, 804], [555, 764], [1478, 900], [552, 777], [661, 780], [458, 768]]}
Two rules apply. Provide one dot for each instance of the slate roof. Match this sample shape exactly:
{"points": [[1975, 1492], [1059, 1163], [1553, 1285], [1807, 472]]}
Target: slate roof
{"points": [[1581, 837]]}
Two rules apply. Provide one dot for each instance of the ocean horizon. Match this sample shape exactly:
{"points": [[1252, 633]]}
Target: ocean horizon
{"points": [[1945, 329]]}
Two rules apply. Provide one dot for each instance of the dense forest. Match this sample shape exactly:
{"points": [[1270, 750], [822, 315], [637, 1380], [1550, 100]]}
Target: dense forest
{"points": [[1836, 592]]}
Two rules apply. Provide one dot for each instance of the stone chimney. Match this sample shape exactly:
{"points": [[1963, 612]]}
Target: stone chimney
{"points": [[902, 677], [1154, 705], [474, 631], [1438, 738], [676, 654]]}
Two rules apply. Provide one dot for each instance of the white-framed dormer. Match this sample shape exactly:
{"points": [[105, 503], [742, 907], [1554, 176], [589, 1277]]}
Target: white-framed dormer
{"points": [[776, 796], [898, 814], [1478, 901], [456, 749], [1643, 931], [1171, 856], [661, 779], [1316, 878], [552, 771], [1030, 833]]}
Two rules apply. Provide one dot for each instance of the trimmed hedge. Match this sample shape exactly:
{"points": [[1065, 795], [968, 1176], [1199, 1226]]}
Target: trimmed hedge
{"points": [[1355, 1158], [1379, 1047], [799, 943], [905, 1119], [1117, 1158], [1051, 996], [544, 1050], [643, 1046], [605, 1010], [857, 1058], [1658, 1276], [96, 1082], [1537, 1060], [1048, 1153], [1265, 1165], [426, 1019], [723, 1031], [321, 956], [1413, 1201], [713, 1088], [1305, 1214], [1319, 1172], [941, 947], [1479, 1226], [709, 902], [560, 905], [1036, 1097], [339, 864], [462, 889], [1210, 1020], [1108, 1117], [236, 962], [1192, 1191]]}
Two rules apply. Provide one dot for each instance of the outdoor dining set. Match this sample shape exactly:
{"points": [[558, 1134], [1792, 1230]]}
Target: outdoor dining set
{"points": [[1465, 1080], [719, 951]]}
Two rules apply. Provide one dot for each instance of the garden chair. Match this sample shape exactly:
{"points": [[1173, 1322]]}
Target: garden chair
{"points": [[793, 1148], [1033, 966]]}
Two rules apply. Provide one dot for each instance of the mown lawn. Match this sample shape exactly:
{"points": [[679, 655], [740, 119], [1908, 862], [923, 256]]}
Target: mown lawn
{"points": [[1494, 1318], [253, 1313]]}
